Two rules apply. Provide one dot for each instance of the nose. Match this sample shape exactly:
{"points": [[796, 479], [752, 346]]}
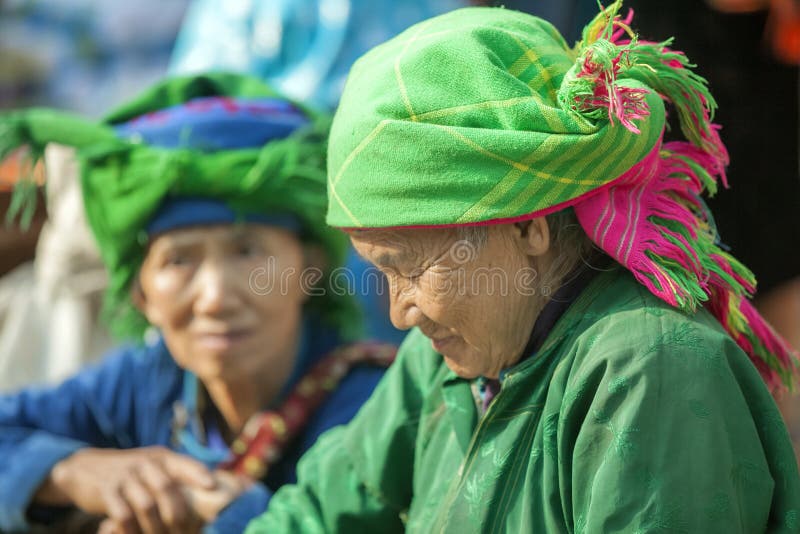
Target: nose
{"points": [[403, 310], [215, 291]]}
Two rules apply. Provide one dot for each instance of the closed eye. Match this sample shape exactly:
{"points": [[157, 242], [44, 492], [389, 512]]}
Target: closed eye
{"points": [[417, 273], [177, 260], [249, 248], [246, 250]]}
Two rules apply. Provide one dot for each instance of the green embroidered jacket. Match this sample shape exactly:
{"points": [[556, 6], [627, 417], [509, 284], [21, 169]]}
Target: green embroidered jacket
{"points": [[633, 417]]}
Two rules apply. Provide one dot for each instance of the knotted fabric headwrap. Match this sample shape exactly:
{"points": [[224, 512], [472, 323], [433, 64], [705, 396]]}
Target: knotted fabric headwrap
{"points": [[227, 144], [485, 116]]}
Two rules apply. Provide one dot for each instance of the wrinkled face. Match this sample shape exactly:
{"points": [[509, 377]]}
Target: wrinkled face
{"points": [[476, 304], [197, 287]]}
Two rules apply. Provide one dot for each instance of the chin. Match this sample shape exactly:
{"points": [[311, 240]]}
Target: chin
{"points": [[224, 373], [214, 363], [463, 371], [211, 368]]}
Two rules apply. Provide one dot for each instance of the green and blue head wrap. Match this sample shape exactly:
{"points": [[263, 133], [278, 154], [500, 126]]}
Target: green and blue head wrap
{"points": [[208, 149]]}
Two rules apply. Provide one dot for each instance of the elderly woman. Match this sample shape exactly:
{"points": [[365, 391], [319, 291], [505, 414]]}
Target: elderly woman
{"points": [[206, 196], [583, 357]]}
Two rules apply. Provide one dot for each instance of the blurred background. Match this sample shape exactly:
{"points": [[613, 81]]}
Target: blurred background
{"points": [[90, 55]]}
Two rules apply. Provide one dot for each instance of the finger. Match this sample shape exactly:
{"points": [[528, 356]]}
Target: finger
{"points": [[188, 470], [208, 503], [120, 514], [109, 526], [232, 481], [172, 506], [143, 504]]}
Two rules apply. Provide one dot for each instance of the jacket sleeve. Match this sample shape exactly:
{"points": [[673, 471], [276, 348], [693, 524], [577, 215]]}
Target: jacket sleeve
{"points": [[678, 434], [236, 516], [358, 477], [41, 426]]}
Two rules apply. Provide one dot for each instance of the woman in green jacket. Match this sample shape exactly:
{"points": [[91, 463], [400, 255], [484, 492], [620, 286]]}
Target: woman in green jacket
{"points": [[583, 355]]}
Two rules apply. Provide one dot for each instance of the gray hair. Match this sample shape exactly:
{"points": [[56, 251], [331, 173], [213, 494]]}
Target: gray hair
{"points": [[477, 236], [571, 244], [568, 240]]}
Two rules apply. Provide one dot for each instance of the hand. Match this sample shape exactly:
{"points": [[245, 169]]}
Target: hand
{"points": [[209, 503], [205, 503], [139, 489]]}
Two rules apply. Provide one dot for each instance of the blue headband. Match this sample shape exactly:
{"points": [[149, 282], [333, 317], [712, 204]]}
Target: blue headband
{"points": [[182, 212], [211, 124]]}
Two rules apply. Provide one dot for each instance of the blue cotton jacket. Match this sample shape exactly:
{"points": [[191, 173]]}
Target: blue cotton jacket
{"points": [[129, 400]]}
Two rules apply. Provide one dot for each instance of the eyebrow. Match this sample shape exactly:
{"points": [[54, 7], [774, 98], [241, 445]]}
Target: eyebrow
{"points": [[176, 241]]}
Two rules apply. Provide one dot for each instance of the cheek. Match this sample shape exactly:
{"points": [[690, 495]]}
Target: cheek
{"points": [[279, 318], [164, 294], [281, 288], [168, 284], [274, 305], [474, 310], [472, 321], [443, 302]]}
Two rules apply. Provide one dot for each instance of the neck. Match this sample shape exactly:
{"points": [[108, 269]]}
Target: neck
{"points": [[525, 317], [528, 320], [237, 400]]}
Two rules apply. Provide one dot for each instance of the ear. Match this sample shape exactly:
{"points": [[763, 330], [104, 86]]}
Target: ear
{"points": [[140, 302], [533, 236]]}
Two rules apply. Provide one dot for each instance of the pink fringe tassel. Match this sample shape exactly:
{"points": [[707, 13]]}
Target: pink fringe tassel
{"points": [[651, 219], [668, 188]]}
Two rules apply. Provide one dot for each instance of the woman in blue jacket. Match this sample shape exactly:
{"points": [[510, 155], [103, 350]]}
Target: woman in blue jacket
{"points": [[206, 196]]}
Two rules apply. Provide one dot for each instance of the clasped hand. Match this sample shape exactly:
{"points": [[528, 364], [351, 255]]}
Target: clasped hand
{"points": [[149, 490]]}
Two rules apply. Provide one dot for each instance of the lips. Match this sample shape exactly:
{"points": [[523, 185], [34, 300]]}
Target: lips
{"points": [[441, 337], [442, 343], [222, 340]]}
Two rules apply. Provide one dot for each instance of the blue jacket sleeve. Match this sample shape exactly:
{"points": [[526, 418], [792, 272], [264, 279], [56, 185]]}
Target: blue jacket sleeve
{"points": [[41, 426], [235, 517]]}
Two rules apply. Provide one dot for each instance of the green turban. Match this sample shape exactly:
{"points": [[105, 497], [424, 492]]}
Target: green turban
{"points": [[125, 181], [486, 116], [460, 119]]}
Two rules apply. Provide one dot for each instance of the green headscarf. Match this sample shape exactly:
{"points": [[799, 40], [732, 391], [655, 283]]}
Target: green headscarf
{"points": [[473, 98], [124, 182]]}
